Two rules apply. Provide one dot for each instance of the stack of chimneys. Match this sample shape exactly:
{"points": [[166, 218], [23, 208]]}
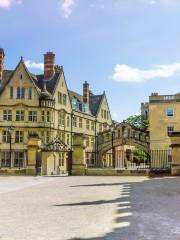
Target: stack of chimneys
{"points": [[86, 92], [49, 65], [2, 55]]}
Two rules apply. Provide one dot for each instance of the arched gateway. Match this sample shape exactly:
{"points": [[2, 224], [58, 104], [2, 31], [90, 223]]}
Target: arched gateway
{"points": [[122, 134]]}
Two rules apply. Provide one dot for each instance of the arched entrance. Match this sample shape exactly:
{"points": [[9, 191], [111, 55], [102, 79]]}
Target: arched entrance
{"points": [[126, 157]]}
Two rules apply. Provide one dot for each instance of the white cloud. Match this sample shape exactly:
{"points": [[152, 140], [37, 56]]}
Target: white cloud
{"points": [[66, 7], [5, 3], [8, 3], [34, 65], [125, 73]]}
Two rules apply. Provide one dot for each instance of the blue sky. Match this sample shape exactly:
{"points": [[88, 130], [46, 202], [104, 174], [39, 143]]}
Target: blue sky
{"points": [[129, 48]]}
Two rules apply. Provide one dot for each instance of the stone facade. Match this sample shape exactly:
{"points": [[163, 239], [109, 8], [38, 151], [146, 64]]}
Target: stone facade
{"points": [[164, 118], [43, 104]]}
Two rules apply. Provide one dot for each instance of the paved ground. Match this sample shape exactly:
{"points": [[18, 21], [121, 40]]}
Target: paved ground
{"points": [[67, 208]]}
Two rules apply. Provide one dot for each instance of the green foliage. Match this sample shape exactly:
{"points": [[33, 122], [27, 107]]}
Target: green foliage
{"points": [[138, 121], [140, 156]]}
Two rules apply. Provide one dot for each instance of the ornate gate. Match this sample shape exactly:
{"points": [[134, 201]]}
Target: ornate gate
{"points": [[58, 157]]}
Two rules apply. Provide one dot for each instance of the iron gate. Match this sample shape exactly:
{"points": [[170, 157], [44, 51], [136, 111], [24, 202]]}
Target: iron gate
{"points": [[129, 160]]}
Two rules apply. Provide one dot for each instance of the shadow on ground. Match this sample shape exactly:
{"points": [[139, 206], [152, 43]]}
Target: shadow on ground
{"points": [[147, 210]]}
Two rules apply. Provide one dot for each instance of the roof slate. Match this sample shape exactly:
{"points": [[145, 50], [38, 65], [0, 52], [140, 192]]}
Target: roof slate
{"points": [[6, 76], [76, 95], [50, 84], [94, 101]]}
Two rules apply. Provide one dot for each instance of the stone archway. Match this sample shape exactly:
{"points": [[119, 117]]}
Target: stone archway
{"points": [[123, 135]]}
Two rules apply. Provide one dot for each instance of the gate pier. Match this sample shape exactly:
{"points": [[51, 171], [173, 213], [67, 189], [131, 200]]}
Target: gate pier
{"points": [[175, 139], [34, 144], [78, 159]]}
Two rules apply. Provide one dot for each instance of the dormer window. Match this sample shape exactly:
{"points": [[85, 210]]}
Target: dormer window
{"points": [[74, 103], [85, 108]]}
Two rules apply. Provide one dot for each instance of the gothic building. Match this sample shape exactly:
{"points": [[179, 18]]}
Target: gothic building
{"points": [[43, 104]]}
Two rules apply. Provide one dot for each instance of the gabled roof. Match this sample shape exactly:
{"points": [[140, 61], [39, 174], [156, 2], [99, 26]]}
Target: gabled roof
{"points": [[38, 80], [94, 103], [8, 74]]}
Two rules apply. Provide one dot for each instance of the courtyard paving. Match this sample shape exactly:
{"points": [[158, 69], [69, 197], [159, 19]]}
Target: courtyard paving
{"points": [[67, 208]]}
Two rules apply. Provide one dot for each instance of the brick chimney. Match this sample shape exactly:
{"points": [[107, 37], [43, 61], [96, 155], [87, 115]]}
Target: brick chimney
{"points": [[2, 55], [49, 65], [86, 93]]}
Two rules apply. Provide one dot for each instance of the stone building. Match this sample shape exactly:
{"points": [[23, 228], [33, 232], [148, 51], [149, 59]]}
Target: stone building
{"points": [[44, 105], [164, 118]]}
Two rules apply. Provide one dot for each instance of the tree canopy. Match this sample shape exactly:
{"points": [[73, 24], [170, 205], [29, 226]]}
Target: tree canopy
{"points": [[138, 121]]}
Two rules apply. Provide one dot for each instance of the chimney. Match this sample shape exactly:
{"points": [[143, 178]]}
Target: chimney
{"points": [[58, 68], [86, 93], [49, 65], [2, 55]]}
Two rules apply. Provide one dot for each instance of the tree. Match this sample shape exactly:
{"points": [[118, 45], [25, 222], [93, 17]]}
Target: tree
{"points": [[140, 156], [138, 121]]}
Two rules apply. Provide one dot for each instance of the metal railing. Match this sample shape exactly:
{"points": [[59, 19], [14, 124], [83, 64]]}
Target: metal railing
{"points": [[132, 160]]}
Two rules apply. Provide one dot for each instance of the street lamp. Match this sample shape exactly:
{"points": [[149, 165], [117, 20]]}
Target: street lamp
{"points": [[72, 119], [96, 142], [70, 163], [113, 152], [10, 131]]}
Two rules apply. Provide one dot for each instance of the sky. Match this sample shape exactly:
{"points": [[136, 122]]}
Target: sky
{"points": [[127, 48]]}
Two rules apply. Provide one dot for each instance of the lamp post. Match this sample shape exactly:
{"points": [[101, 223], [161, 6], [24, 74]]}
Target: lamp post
{"points": [[113, 153], [72, 118], [70, 164], [96, 142], [10, 131]]}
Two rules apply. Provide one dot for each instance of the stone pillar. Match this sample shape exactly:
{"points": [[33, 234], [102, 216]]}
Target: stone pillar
{"points": [[78, 155], [34, 144], [175, 140]]}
